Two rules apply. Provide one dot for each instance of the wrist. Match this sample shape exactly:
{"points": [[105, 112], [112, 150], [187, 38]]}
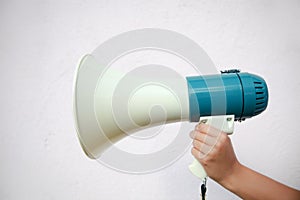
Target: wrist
{"points": [[230, 180]]}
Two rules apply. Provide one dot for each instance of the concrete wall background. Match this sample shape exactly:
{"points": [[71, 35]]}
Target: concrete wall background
{"points": [[40, 46]]}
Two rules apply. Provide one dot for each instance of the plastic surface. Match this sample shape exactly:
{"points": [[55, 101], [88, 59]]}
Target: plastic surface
{"points": [[224, 123], [255, 94], [241, 94], [102, 119]]}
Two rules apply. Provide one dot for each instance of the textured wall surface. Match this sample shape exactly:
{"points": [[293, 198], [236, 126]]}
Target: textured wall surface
{"points": [[40, 46]]}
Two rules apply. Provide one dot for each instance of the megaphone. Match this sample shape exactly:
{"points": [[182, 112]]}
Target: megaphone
{"points": [[104, 115]]}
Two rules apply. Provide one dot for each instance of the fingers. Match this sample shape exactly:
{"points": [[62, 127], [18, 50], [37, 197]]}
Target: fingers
{"points": [[206, 134], [197, 154], [205, 138], [207, 129], [202, 137], [202, 147]]}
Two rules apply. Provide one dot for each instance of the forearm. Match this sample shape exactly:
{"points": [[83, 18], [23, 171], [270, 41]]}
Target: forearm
{"points": [[249, 184]]}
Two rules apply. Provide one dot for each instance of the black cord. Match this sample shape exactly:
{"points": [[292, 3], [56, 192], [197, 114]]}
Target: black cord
{"points": [[203, 191], [203, 188]]}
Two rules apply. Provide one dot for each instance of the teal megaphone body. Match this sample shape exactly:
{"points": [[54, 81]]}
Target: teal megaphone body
{"points": [[246, 95]]}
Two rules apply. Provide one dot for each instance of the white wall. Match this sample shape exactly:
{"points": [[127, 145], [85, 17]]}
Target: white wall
{"points": [[41, 43]]}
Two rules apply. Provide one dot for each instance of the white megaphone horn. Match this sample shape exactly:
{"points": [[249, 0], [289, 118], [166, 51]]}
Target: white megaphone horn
{"points": [[107, 109]]}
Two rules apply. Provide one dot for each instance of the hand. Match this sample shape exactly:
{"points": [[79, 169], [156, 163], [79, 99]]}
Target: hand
{"points": [[213, 149]]}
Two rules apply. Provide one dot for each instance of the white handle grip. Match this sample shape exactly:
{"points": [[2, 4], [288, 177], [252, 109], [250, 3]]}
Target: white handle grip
{"points": [[223, 122]]}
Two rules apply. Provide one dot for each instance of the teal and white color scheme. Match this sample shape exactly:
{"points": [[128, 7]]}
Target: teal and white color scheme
{"points": [[243, 95]]}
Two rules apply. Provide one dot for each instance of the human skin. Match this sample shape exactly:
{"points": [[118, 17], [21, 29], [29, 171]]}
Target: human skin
{"points": [[213, 149]]}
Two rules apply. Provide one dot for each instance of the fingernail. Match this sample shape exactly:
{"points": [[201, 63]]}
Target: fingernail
{"points": [[198, 127], [192, 134]]}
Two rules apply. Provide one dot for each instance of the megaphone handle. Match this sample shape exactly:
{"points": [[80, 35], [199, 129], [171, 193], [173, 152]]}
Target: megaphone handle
{"points": [[223, 122]]}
